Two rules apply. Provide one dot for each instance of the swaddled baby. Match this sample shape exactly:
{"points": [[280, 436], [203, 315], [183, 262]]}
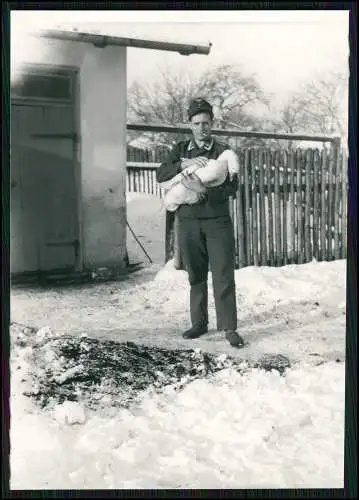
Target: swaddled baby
{"points": [[211, 173]]}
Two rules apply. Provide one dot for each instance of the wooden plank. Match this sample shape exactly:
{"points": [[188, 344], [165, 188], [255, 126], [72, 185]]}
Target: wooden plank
{"points": [[269, 177], [307, 209], [330, 206], [240, 214], [341, 207], [299, 206], [291, 164], [277, 214], [155, 183], [336, 174], [322, 204], [143, 181], [316, 233], [129, 171], [135, 180], [247, 208], [254, 163], [148, 181], [139, 180], [285, 207], [262, 210], [344, 205]]}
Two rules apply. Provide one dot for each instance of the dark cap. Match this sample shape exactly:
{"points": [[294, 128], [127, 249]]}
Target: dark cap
{"points": [[199, 105]]}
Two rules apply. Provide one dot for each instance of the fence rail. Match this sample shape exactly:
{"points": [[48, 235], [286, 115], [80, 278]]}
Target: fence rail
{"points": [[290, 206]]}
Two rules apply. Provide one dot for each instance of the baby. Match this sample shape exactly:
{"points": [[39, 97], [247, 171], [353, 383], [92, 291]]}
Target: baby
{"points": [[211, 173]]}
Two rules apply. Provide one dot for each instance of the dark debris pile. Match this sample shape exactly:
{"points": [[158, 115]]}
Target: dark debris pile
{"points": [[70, 368]]}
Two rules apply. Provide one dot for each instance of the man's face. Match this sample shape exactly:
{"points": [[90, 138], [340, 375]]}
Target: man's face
{"points": [[201, 126]]}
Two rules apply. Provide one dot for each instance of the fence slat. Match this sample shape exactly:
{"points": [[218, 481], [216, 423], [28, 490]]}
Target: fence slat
{"points": [[336, 203], [262, 210], [316, 185], [254, 163], [253, 157], [269, 171], [344, 170], [285, 207], [292, 225], [247, 208], [330, 207], [240, 214], [322, 203], [278, 242], [307, 209], [300, 207]]}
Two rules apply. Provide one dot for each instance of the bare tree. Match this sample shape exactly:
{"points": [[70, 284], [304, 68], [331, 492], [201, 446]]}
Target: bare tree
{"points": [[319, 107], [233, 95]]}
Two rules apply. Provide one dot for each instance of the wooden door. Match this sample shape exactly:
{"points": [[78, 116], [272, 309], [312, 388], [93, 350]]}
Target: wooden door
{"points": [[44, 215]]}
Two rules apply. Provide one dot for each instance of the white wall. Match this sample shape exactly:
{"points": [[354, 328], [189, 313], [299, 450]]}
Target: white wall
{"points": [[102, 152]]}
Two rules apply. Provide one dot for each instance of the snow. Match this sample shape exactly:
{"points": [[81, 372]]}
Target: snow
{"points": [[254, 429], [146, 216], [257, 430]]}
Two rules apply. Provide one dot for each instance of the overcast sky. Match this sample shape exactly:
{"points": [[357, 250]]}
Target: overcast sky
{"points": [[282, 48]]}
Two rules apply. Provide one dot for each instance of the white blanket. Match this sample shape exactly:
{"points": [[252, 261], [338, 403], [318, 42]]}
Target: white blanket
{"points": [[213, 174]]}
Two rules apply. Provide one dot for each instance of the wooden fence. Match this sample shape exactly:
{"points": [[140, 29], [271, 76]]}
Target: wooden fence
{"points": [[290, 207]]}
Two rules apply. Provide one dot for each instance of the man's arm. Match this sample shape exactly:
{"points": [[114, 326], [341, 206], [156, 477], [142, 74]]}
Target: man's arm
{"points": [[171, 166], [228, 188]]}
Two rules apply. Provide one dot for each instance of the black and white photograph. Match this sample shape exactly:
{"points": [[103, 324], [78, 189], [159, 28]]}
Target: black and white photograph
{"points": [[178, 249]]}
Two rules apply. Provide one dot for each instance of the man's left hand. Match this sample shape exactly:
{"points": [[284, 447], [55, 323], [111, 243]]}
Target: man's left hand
{"points": [[193, 182]]}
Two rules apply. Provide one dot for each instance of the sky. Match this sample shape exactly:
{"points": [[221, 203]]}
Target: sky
{"points": [[282, 48]]}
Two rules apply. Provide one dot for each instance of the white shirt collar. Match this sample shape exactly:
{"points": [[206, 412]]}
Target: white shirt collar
{"points": [[207, 145]]}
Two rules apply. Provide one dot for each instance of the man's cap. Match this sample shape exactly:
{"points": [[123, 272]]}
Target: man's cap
{"points": [[199, 105]]}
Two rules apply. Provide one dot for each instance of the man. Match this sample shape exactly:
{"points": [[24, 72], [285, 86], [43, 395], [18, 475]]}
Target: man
{"points": [[205, 229]]}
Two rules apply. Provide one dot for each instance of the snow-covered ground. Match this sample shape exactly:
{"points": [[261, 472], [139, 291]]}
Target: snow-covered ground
{"points": [[256, 430], [230, 430], [146, 216]]}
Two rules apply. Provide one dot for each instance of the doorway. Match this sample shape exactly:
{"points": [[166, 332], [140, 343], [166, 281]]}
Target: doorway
{"points": [[44, 215]]}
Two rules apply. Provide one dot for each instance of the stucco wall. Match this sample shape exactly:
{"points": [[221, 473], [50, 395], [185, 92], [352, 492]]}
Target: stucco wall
{"points": [[102, 146]]}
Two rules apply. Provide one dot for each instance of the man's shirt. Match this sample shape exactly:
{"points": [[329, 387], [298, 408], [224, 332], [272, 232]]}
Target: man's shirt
{"points": [[215, 203]]}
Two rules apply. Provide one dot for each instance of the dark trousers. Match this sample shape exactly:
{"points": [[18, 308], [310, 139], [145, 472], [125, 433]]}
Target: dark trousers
{"points": [[204, 243]]}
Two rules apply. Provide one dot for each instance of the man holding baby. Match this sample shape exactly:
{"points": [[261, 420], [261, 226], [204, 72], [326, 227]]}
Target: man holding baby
{"points": [[206, 236]]}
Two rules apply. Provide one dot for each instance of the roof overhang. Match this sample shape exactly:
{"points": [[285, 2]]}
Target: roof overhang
{"points": [[102, 41]]}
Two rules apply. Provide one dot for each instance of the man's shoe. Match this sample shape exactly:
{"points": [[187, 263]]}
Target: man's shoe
{"points": [[233, 338], [195, 332]]}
